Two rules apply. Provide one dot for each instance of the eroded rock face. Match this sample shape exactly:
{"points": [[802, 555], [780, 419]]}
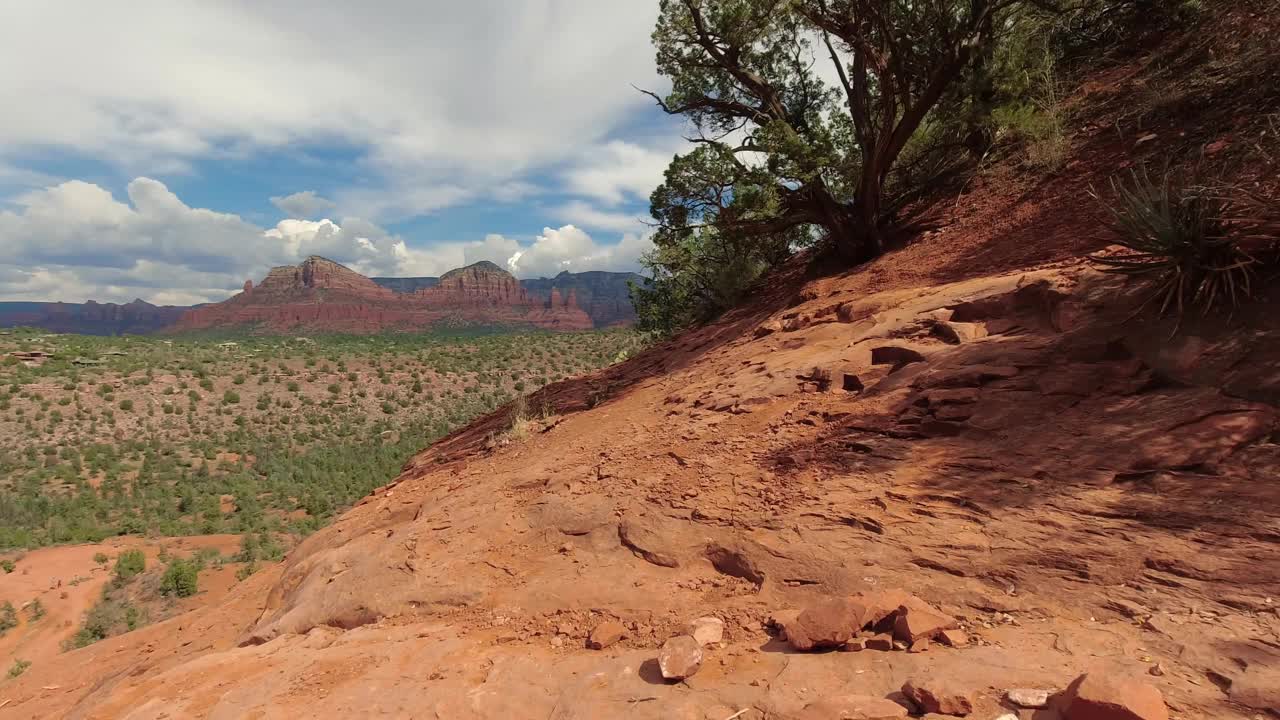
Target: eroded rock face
{"points": [[319, 294]]}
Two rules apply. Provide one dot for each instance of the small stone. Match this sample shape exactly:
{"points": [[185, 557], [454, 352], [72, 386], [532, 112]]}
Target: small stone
{"points": [[557, 641], [882, 642], [854, 645], [1008, 716], [938, 696], [1099, 697], [706, 630], [1028, 698], [1156, 670], [920, 645], [606, 634], [681, 657], [954, 638], [899, 645]]}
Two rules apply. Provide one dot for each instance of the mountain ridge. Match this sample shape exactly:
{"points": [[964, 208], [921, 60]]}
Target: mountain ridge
{"points": [[320, 294], [602, 295]]}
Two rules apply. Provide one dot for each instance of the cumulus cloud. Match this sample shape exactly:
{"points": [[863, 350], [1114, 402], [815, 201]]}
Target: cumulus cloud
{"points": [[619, 171], [571, 249], [74, 241], [303, 204], [402, 95]]}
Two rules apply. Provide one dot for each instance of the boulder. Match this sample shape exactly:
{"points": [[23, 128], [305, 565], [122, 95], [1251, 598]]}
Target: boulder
{"points": [[933, 695], [916, 619], [706, 630], [605, 634], [828, 624], [681, 657], [1094, 696]]}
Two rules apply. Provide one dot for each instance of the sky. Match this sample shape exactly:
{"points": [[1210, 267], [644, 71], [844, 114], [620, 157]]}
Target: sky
{"points": [[169, 150]]}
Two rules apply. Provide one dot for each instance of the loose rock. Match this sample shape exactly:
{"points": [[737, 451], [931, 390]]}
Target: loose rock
{"points": [[938, 696], [883, 642], [680, 658], [1098, 697], [954, 638], [828, 624], [706, 630], [1028, 698], [916, 620], [606, 634]]}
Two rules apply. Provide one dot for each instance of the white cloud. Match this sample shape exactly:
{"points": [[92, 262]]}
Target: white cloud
{"points": [[440, 101], [303, 204], [584, 214], [74, 242], [618, 171], [569, 248]]}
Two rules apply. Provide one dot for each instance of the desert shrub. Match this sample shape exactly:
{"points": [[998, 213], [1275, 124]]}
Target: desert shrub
{"points": [[1183, 238], [8, 618], [35, 610], [6, 565], [101, 558], [19, 666], [180, 579], [126, 405], [129, 564], [230, 397]]}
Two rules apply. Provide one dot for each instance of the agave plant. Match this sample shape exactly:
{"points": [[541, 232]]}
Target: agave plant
{"points": [[1181, 237]]}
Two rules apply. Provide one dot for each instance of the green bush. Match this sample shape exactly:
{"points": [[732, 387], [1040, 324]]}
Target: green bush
{"points": [[181, 578], [19, 666], [129, 564], [230, 397], [6, 565], [8, 618]]}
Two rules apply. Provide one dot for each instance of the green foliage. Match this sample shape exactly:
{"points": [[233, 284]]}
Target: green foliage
{"points": [[810, 160], [8, 618], [19, 666], [305, 456], [230, 397], [1178, 237], [7, 565], [108, 617], [181, 579], [101, 558], [129, 564], [35, 610]]}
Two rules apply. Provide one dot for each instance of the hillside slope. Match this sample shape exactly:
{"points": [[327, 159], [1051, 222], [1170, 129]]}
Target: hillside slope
{"points": [[977, 417]]}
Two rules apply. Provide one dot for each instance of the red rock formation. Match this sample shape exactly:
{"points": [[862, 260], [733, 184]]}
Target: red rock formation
{"points": [[320, 294]]}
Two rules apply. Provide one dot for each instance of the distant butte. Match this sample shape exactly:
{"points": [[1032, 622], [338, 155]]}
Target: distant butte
{"points": [[321, 295]]}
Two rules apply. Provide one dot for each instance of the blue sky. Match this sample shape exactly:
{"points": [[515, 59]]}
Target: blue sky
{"points": [[171, 149]]}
